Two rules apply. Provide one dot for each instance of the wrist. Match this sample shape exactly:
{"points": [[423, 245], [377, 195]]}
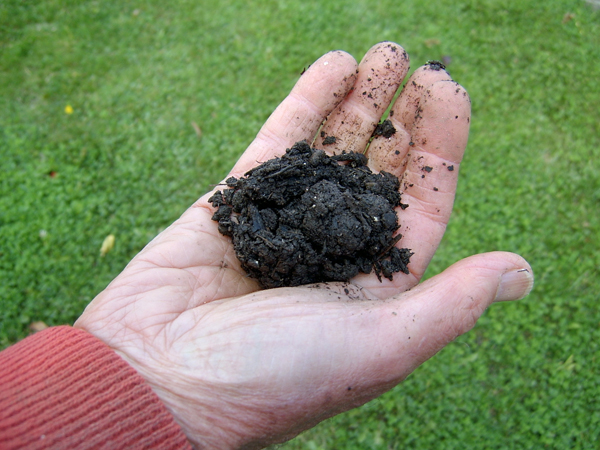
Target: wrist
{"points": [[202, 417], [67, 388]]}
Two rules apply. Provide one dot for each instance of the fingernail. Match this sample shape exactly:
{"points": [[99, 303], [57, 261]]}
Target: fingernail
{"points": [[514, 285]]}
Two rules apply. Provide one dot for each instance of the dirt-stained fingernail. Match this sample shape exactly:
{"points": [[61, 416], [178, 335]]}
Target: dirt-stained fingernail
{"points": [[514, 285]]}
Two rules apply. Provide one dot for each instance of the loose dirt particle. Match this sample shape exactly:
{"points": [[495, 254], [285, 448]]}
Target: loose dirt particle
{"points": [[385, 129], [307, 217], [436, 65]]}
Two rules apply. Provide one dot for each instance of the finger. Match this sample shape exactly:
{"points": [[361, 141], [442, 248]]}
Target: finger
{"points": [[389, 154], [318, 91], [352, 123], [428, 180], [407, 105], [391, 338], [422, 321], [440, 134], [370, 346]]}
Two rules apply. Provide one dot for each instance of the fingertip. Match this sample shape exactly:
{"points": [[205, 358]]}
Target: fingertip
{"points": [[497, 276], [335, 72], [448, 90], [352, 123], [406, 106], [342, 55], [421, 321], [391, 48], [333, 64], [328, 80], [458, 296], [321, 88], [442, 125], [503, 276], [515, 284]]}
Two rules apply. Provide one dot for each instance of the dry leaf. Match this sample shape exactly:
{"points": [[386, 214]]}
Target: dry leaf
{"points": [[37, 326], [107, 245], [197, 129], [431, 42]]}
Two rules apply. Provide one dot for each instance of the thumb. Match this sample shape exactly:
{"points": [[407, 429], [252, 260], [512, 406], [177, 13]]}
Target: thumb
{"points": [[428, 317]]}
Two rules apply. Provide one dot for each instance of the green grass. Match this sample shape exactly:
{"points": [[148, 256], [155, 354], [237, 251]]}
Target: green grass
{"points": [[128, 162]]}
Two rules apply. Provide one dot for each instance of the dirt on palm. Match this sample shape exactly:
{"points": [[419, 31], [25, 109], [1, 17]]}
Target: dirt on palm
{"points": [[307, 217]]}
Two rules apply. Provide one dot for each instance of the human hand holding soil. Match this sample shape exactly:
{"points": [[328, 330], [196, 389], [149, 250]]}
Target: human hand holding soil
{"points": [[243, 367]]}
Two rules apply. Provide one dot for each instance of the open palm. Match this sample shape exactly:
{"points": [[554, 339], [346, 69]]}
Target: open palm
{"points": [[243, 367]]}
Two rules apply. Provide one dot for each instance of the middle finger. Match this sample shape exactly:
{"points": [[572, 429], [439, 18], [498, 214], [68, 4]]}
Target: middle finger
{"points": [[350, 126]]}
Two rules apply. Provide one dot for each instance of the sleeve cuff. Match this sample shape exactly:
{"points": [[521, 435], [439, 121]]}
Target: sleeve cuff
{"points": [[63, 388]]}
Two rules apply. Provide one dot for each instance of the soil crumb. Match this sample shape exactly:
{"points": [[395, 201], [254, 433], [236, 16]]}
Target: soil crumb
{"points": [[436, 65], [385, 129], [307, 217]]}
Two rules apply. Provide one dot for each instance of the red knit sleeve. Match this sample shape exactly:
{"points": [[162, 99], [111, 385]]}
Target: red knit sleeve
{"points": [[64, 389]]}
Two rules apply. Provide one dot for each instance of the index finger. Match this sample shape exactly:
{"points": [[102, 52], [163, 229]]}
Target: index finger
{"points": [[318, 91]]}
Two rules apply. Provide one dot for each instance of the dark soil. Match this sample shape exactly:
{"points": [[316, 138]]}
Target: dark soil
{"points": [[436, 65], [385, 129], [329, 140], [307, 217]]}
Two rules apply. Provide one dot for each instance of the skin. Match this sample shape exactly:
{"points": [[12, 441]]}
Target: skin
{"points": [[240, 367]]}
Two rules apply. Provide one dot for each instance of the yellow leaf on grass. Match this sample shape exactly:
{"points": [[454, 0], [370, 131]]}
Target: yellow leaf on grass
{"points": [[37, 326], [107, 245], [431, 42]]}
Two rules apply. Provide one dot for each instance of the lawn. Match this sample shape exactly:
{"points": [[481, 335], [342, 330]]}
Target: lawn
{"points": [[116, 115]]}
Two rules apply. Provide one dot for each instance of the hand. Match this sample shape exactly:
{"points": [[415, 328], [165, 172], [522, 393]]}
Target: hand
{"points": [[243, 367]]}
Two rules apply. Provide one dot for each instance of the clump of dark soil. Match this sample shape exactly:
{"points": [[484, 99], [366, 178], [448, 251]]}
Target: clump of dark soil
{"points": [[307, 217], [436, 65], [385, 129]]}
